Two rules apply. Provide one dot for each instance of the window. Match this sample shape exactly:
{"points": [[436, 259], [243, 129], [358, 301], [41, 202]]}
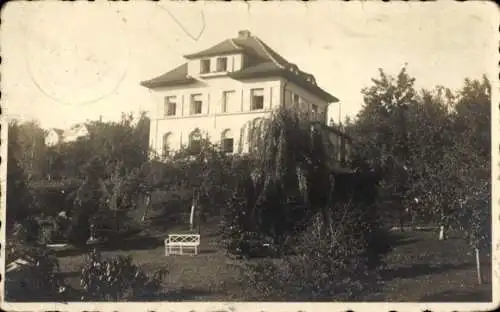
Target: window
{"points": [[314, 111], [170, 106], [257, 99], [196, 104], [296, 100], [227, 100], [323, 116], [205, 66], [195, 142], [167, 144], [222, 64], [227, 141]]}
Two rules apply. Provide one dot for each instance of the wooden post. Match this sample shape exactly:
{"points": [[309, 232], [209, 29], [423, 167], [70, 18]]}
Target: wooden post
{"points": [[441, 232], [191, 217], [478, 267]]}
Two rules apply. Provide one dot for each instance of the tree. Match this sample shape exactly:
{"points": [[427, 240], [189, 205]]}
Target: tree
{"points": [[31, 141], [20, 202], [472, 120], [123, 142], [431, 139], [381, 128], [322, 223]]}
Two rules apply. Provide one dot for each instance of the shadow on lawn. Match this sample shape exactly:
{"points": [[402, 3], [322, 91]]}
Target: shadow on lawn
{"points": [[484, 294], [402, 238], [183, 294], [420, 269], [135, 243]]}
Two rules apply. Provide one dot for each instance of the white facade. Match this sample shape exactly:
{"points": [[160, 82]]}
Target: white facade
{"points": [[53, 138], [218, 117]]}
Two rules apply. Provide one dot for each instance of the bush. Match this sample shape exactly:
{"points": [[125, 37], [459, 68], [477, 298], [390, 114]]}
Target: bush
{"points": [[117, 279], [79, 229], [26, 231], [326, 265], [38, 280], [53, 230]]}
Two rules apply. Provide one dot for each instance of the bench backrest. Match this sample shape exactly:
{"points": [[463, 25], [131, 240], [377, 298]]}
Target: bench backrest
{"points": [[183, 239]]}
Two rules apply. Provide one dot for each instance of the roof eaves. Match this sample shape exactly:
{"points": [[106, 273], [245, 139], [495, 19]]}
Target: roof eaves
{"points": [[312, 87], [210, 54], [266, 51], [156, 84]]}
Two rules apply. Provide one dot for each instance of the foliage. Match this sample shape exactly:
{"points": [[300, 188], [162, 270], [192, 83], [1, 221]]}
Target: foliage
{"points": [[429, 143], [335, 267], [30, 140], [322, 224], [113, 142], [383, 132], [117, 279], [19, 197], [38, 280], [53, 229]]}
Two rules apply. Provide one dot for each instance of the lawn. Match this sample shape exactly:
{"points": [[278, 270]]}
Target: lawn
{"points": [[420, 268]]}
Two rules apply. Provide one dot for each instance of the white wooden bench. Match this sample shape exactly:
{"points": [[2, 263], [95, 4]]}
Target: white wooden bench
{"points": [[176, 244]]}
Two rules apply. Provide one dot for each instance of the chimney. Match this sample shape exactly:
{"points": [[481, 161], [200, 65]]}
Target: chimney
{"points": [[243, 34]]}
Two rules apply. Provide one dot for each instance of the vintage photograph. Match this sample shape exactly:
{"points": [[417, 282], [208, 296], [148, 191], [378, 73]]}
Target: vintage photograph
{"points": [[321, 152]]}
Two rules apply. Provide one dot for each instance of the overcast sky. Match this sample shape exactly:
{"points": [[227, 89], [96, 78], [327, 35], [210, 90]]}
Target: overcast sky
{"points": [[66, 62]]}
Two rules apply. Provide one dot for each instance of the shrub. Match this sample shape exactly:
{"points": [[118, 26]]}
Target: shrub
{"points": [[326, 265], [53, 230], [79, 229], [38, 280], [117, 279]]}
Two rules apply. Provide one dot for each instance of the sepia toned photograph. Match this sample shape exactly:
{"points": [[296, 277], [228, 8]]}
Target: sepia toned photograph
{"points": [[202, 156]]}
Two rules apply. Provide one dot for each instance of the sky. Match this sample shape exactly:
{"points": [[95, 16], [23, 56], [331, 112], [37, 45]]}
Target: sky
{"points": [[68, 62]]}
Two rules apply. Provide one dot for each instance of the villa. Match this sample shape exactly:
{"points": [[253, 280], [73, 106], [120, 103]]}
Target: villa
{"points": [[219, 92]]}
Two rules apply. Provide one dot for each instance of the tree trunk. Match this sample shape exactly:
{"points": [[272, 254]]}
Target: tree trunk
{"points": [[147, 201], [478, 267]]}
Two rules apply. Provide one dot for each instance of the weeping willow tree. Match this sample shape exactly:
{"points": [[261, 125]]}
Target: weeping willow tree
{"points": [[322, 221], [288, 178]]}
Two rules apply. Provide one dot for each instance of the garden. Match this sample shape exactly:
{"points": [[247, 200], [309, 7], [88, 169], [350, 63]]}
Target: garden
{"points": [[286, 222]]}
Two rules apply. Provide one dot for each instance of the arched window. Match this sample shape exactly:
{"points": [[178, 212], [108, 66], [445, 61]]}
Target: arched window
{"points": [[167, 144], [227, 141], [195, 141]]}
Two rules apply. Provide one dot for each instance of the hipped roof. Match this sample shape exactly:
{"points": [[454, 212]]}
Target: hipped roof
{"points": [[261, 61]]}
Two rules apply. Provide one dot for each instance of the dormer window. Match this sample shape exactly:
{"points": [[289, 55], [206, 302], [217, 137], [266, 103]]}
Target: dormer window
{"points": [[222, 64], [205, 66]]}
